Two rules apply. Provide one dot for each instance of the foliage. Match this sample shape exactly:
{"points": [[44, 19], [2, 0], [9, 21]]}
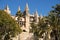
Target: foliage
{"points": [[8, 26], [39, 28], [53, 19], [19, 14]]}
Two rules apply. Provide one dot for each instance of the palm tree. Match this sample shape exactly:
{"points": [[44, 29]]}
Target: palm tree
{"points": [[55, 20]]}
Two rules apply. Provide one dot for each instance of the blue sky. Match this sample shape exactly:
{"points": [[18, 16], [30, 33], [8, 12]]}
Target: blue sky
{"points": [[42, 6]]}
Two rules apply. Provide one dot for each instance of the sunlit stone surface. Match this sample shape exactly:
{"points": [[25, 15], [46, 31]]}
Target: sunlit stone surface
{"points": [[26, 36]]}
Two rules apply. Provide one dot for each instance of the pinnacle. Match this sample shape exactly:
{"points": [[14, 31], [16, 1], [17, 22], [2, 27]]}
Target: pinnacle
{"points": [[27, 8], [36, 12], [19, 8], [7, 7]]}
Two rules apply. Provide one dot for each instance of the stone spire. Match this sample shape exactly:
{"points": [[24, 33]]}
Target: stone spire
{"points": [[36, 13], [19, 8], [26, 11], [36, 16], [41, 16], [26, 8], [7, 9]]}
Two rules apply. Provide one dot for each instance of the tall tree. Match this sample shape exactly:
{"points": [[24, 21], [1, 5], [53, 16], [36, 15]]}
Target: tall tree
{"points": [[54, 18], [8, 26]]}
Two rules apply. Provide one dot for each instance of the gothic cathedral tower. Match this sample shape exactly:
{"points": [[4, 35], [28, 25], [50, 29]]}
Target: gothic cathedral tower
{"points": [[27, 23]]}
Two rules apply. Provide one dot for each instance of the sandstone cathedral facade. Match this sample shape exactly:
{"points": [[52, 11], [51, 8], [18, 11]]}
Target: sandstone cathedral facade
{"points": [[25, 22], [26, 19]]}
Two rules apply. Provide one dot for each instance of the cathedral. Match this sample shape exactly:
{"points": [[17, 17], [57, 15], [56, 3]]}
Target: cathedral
{"points": [[25, 22], [26, 19]]}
